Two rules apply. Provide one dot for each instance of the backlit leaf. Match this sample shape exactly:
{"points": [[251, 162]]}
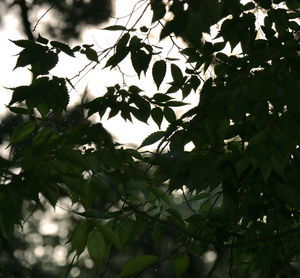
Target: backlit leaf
{"points": [[137, 265], [79, 237], [96, 247], [22, 132], [181, 264]]}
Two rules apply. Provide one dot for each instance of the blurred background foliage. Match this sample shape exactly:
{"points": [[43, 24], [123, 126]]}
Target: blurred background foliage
{"points": [[68, 18]]}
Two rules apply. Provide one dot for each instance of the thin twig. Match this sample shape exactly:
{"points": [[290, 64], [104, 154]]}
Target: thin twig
{"points": [[187, 201], [70, 266], [38, 21]]}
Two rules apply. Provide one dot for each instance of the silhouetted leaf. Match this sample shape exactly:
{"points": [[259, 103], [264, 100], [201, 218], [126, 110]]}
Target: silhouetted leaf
{"points": [[63, 47], [159, 72], [169, 114], [157, 115], [91, 54], [153, 138]]}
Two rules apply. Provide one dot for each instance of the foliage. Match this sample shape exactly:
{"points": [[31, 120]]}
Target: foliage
{"points": [[67, 17], [238, 183]]}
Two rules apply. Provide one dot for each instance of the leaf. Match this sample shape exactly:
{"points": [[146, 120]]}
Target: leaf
{"points": [[157, 115], [79, 237], [111, 235], [22, 132], [18, 110], [140, 61], [169, 114], [63, 47], [96, 247], [181, 264], [152, 138], [159, 72], [117, 58], [122, 43], [42, 136], [161, 97], [176, 74], [159, 10], [175, 103], [91, 54], [23, 43], [117, 28], [137, 265], [42, 40]]}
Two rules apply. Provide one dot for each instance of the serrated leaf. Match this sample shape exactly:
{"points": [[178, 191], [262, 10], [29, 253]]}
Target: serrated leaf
{"points": [[96, 247], [42, 136], [159, 72], [161, 97], [117, 28], [63, 47], [18, 110], [23, 43], [157, 115], [137, 265], [176, 103], [176, 74], [79, 237], [152, 138], [22, 132], [181, 264], [169, 114], [91, 54]]}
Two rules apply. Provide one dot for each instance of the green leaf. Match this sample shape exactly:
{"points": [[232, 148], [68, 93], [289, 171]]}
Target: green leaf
{"points": [[169, 114], [79, 237], [63, 47], [152, 138], [137, 265], [111, 235], [181, 264], [91, 54], [96, 247], [22, 132], [157, 115], [159, 72], [42, 136]]}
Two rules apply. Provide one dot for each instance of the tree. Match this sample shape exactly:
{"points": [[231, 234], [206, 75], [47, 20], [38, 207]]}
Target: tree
{"points": [[68, 16], [238, 183]]}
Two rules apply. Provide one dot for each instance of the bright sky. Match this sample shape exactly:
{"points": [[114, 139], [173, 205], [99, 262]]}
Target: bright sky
{"points": [[97, 80]]}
